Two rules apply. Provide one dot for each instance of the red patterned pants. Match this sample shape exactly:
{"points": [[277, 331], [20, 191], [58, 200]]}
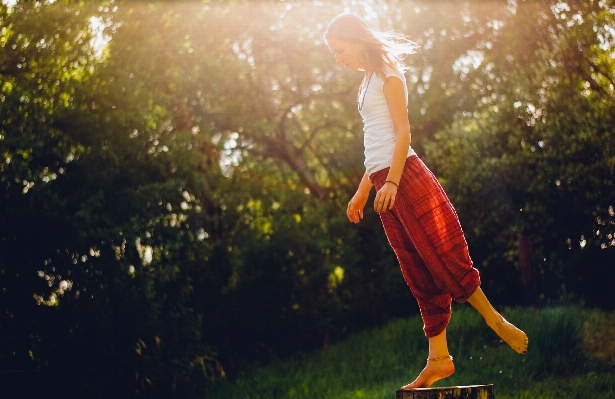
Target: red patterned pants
{"points": [[425, 233]]}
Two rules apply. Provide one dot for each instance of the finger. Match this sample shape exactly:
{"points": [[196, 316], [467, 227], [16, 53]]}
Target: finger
{"points": [[392, 202], [389, 202], [383, 204], [382, 201], [353, 216]]}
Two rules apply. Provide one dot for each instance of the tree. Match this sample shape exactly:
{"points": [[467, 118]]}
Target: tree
{"points": [[537, 149], [173, 202]]}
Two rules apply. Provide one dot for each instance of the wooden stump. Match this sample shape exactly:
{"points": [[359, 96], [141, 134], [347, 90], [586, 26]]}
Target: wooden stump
{"points": [[466, 392]]}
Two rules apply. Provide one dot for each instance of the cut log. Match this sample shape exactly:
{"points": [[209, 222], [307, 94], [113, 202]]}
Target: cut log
{"points": [[464, 392]]}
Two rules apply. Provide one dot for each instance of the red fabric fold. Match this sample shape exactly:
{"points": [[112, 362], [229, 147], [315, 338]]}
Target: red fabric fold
{"points": [[424, 231]]}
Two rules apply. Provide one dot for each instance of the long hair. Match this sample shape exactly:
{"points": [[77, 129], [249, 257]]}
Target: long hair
{"points": [[382, 48]]}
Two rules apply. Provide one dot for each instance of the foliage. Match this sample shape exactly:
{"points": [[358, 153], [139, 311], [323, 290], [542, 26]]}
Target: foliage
{"points": [[174, 177], [538, 147]]}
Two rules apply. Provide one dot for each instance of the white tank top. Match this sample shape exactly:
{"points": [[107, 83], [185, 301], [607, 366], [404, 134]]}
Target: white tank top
{"points": [[379, 136]]}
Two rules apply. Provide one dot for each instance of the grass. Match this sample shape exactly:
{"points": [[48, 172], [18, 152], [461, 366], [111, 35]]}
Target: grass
{"points": [[571, 355]]}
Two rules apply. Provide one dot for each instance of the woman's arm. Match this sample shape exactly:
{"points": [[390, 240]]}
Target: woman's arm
{"points": [[395, 96]]}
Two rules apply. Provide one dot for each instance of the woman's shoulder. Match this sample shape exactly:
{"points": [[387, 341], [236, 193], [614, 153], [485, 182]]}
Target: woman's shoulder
{"points": [[388, 71], [396, 71]]}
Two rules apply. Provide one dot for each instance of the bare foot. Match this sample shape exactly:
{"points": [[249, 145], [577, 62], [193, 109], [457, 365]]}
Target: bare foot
{"points": [[510, 334], [435, 370]]}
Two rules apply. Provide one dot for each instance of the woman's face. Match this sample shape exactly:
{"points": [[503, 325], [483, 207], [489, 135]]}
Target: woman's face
{"points": [[346, 53]]}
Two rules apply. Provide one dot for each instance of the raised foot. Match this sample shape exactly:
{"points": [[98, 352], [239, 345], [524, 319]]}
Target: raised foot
{"points": [[436, 369], [510, 334]]}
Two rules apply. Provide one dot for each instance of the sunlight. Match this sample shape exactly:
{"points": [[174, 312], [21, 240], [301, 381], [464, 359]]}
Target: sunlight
{"points": [[100, 40], [9, 3], [145, 253], [231, 156], [61, 287], [472, 60], [335, 278], [367, 9]]}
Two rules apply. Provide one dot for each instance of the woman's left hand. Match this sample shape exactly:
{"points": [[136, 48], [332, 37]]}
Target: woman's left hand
{"points": [[385, 197]]}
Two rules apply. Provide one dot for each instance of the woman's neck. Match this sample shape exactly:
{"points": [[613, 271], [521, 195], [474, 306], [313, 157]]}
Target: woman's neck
{"points": [[369, 69]]}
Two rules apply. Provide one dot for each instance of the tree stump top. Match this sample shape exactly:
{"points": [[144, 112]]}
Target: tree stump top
{"points": [[462, 392]]}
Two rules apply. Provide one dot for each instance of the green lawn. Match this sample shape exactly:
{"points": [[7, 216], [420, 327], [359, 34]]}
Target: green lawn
{"points": [[571, 355]]}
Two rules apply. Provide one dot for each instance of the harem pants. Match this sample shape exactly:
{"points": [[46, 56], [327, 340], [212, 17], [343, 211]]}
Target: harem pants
{"points": [[425, 233]]}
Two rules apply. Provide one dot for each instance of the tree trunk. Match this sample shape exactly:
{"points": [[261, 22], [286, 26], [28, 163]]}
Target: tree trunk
{"points": [[527, 269], [465, 392]]}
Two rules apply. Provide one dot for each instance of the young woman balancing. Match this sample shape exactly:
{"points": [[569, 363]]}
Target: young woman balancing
{"points": [[418, 219]]}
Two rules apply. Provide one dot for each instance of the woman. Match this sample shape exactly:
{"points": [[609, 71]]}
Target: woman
{"points": [[419, 220]]}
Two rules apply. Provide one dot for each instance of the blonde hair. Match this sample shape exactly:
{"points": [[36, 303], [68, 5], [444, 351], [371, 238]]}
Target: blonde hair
{"points": [[382, 48]]}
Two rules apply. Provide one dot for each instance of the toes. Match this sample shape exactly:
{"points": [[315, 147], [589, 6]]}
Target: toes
{"points": [[412, 385]]}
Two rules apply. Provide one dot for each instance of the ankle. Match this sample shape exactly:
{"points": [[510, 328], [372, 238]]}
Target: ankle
{"points": [[436, 359], [495, 321]]}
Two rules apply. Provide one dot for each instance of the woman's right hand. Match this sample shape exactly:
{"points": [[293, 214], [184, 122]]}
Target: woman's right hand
{"points": [[356, 205]]}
